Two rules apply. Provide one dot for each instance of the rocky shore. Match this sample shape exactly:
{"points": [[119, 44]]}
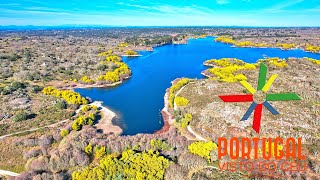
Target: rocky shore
{"points": [[167, 117]]}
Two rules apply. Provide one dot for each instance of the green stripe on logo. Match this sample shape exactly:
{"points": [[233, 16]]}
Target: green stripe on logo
{"points": [[283, 97], [262, 76]]}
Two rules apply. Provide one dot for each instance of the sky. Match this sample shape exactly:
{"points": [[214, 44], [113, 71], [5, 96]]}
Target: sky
{"points": [[161, 12]]}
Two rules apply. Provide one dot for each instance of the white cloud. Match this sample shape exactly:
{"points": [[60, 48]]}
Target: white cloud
{"points": [[285, 4], [30, 11], [161, 9], [222, 1]]}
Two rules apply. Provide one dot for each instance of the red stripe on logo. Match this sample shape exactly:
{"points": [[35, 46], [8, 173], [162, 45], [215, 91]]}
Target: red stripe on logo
{"points": [[237, 98], [257, 118]]}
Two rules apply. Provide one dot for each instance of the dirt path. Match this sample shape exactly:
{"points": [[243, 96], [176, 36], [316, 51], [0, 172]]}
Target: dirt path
{"points": [[198, 136], [8, 173], [34, 129]]}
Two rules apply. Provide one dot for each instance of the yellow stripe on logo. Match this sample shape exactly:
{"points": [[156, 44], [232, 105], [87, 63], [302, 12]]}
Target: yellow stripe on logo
{"points": [[248, 87], [269, 83]]}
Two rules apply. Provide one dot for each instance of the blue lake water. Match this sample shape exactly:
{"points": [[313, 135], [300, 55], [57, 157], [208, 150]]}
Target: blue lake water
{"points": [[139, 100]]}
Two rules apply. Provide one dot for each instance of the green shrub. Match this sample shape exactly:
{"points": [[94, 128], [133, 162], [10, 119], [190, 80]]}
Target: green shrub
{"points": [[18, 85], [102, 67], [7, 90], [61, 104], [36, 89], [70, 114], [158, 144], [20, 116]]}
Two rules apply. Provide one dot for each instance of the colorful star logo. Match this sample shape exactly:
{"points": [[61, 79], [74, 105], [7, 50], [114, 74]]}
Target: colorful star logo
{"points": [[259, 97]]}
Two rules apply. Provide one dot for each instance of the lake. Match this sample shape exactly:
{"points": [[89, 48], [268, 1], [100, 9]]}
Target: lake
{"points": [[139, 100]]}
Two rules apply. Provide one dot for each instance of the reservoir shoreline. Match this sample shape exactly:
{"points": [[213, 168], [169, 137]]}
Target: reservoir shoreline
{"points": [[140, 99]]}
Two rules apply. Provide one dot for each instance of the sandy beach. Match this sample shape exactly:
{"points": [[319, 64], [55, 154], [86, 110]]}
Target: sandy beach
{"points": [[105, 123], [79, 85]]}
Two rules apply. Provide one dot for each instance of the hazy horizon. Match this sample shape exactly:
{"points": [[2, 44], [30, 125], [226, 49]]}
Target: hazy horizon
{"points": [[106, 25], [249, 13]]}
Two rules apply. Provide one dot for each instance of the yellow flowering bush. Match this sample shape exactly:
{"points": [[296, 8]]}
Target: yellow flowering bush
{"points": [[275, 61], [158, 144], [286, 46], [88, 149], [128, 165], [174, 88], [87, 108], [202, 148], [228, 67], [315, 61], [181, 101], [64, 133], [83, 120], [272, 148], [315, 49], [111, 76], [86, 79], [225, 39], [113, 58], [87, 116], [131, 52], [107, 53], [124, 44], [69, 96], [114, 76], [186, 120], [229, 40]]}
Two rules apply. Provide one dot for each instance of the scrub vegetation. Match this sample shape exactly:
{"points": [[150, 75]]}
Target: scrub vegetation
{"points": [[285, 46], [39, 69]]}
